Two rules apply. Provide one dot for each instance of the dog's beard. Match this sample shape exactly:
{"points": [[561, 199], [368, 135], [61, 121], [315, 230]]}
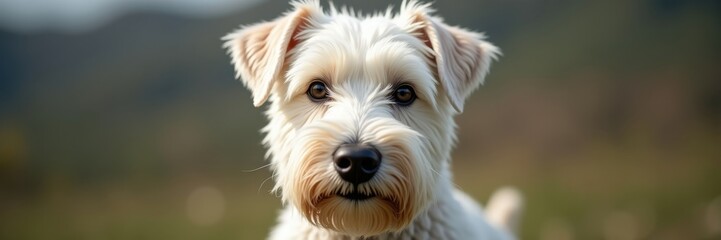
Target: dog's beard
{"points": [[388, 202], [367, 217]]}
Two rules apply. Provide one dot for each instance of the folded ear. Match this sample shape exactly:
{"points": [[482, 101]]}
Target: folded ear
{"points": [[462, 58], [258, 51]]}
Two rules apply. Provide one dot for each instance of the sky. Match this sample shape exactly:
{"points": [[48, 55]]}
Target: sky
{"points": [[85, 15]]}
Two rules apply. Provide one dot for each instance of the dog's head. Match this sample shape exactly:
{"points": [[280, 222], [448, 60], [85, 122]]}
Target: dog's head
{"points": [[361, 116]]}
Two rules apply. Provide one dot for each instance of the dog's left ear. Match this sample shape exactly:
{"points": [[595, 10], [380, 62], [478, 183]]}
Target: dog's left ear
{"points": [[462, 57], [258, 51]]}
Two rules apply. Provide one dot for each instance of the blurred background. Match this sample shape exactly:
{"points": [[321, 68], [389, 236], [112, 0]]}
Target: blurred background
{"points": [[120, 119]]}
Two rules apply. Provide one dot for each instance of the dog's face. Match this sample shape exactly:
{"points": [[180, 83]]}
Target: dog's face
{"points": [[361, 121]]}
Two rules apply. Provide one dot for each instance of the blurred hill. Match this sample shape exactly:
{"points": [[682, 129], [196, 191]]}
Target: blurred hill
{"points": [[622, 95]]}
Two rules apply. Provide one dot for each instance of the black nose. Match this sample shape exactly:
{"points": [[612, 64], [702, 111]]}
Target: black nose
{"points": [[356, 163]]}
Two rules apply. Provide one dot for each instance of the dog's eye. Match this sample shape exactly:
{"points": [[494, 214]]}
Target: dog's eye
{"points": [[404, 95], [317, 91]]}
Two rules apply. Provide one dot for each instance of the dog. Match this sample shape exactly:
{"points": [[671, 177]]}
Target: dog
{"points": [[361, 122]]}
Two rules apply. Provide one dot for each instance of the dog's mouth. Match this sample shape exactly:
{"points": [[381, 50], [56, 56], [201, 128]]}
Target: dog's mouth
{"points": [[355, 195]]}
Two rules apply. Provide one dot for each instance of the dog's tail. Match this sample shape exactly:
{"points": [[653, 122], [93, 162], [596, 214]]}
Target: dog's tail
{"points": [[504, 209]]}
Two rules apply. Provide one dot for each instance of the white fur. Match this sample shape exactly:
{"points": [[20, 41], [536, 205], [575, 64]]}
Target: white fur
{"points": [[361, 59]]}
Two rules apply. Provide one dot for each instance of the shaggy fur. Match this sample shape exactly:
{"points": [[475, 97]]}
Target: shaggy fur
{"points": [[362, 59]]}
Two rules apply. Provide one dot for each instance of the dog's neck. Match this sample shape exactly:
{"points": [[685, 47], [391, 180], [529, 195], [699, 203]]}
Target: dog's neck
{"points": [[432, 223]]}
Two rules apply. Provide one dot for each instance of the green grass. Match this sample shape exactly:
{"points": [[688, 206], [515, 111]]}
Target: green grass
{"points": [[604, 191]]}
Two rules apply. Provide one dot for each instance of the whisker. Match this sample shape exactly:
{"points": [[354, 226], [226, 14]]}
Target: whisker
{"points": [[256, 169], [261, 184]]}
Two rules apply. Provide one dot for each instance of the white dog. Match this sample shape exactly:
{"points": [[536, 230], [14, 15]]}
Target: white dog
{"points": [[361, 122]]}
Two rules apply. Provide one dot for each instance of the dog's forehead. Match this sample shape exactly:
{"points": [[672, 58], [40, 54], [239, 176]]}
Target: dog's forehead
{"points": [[361, 32], [373, 49]]}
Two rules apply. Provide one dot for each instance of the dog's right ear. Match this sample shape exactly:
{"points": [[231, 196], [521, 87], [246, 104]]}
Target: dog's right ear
{"points": [[258, 51]]}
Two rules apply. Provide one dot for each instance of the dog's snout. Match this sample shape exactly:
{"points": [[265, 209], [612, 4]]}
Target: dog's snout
{"points": [[356, 163]]}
